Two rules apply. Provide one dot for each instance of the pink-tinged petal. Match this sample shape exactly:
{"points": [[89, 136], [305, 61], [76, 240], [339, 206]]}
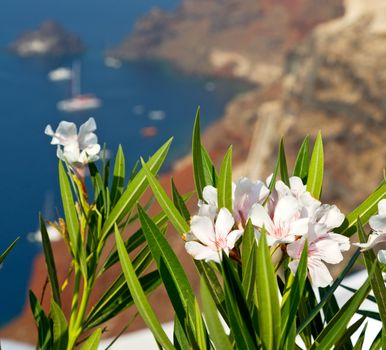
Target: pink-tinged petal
{"points": [[233, 237], [299, 227], [207, 210], [210, 195], [343, 241], [287, 207], [201, 252], [382, 207], [224, 224], [330, 216], [320, 276], [260, 218], [295, 249], [293, 265], [202, 228], [328, 251], [382, 256], [378, 223]]}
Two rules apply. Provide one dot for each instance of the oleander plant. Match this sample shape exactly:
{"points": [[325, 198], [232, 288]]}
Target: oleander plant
{"points": [[262, 249]]}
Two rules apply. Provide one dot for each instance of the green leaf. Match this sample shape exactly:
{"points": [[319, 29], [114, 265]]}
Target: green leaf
{"points": [[134, 190], [291, 304], [60, 327], [248, 262], [172, 273], [92, 342], [179, 202], [315, 172], [268, 296], [224, 189], [139, 296], [345, 339], [118, 177], [302, 161], [361, 339], [50, 261], [364, 211], [69, 212], [210, 174], [199, 176], [336, 328], [329, 293], [240, 318], [216, 330], [165, 203], [283, 164], [377, 282], [42, 322], [7, 251]]}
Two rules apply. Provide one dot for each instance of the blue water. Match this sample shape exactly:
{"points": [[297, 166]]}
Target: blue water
{"points": [[28, 170]]}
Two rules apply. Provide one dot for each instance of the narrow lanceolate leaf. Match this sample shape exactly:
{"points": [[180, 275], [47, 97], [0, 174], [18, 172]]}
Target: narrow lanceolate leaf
{"points": [[135, 189], [92, 342], [361, 339], [240, 318], [210, 173], [248, 262], [166, 203], [302, 161], [118, 177], [50, 261], [315, 172], [224, 188], [336, 328], [329, 292], [199, 177], [42, 322], [291, 304], [283, 164], [3, 255], [60, 327], [179, 202], [69, 211], [364, 211], [377, 282], [268, 296], [139, 296], [216, 330], [345, 339], [175, 280]]}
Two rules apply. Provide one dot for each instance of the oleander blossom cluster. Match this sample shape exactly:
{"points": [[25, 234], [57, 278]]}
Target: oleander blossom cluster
{"points": [[77, 149], [289, 215], [377, 239]]}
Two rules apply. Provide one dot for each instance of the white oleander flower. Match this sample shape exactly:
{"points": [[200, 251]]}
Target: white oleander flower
{"points": [[78, 149], [208, 239], [378, 237], [322, 250], [245, 193], [285, 222]]}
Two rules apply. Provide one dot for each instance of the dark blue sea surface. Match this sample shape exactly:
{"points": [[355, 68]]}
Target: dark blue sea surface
{"points": [[28, 170]]}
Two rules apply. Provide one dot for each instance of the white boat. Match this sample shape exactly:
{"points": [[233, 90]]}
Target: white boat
{"points": [[113, 62], [60, 74], [156, 115], [78, 102]]}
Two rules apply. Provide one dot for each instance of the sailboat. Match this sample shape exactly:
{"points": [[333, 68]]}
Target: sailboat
{"points": [[78, 102]]}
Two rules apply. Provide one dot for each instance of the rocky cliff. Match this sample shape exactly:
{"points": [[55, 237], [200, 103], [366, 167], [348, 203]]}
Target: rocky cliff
{"points": [[49, 39], [245, 39]]}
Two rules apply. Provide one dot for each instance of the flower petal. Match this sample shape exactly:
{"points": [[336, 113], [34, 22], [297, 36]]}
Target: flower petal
{"points": [[201, 252], [202, 228], [382, 256], [224, 224], [320, 276], [328, 251], [378, 223], [287, 207], [233, 237], [210, 195], [259, 218]]}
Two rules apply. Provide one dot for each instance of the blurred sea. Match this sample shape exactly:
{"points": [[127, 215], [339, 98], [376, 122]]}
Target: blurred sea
{"points": [[28, 170]]}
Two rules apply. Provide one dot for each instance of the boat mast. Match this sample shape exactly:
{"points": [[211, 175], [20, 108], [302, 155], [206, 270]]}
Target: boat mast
{"points": [[75, 87]]}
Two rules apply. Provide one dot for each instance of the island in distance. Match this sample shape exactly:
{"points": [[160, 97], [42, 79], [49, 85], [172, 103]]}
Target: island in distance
{"points": [[49, 39]]}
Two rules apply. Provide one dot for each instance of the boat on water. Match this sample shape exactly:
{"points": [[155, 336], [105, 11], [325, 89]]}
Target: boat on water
{"points": [[60, 73], [149, 131], [78, 101], [113, 62], [157, 115]]}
